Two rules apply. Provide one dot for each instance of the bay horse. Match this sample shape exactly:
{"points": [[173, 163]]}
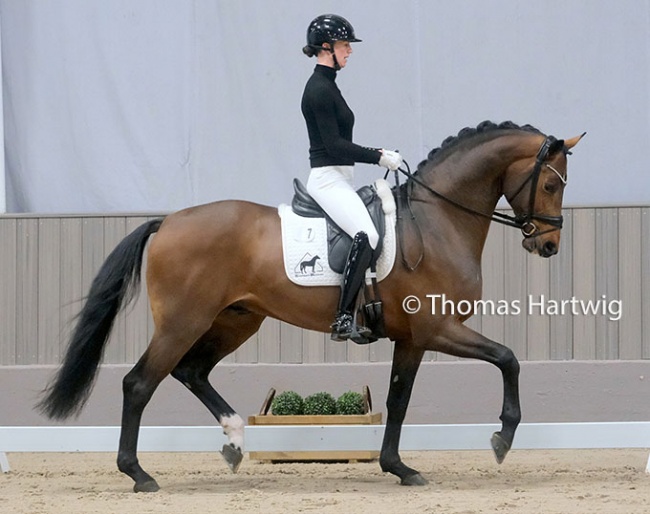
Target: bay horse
{"points": [[215, 271]]}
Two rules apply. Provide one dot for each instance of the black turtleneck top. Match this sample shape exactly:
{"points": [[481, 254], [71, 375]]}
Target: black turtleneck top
{"points": [[330, 122]]}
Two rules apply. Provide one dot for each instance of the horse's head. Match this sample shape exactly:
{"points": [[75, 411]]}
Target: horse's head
{"points": [[534, 187]]}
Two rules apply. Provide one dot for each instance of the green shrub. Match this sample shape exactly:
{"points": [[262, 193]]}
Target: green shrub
{"points": [[320, 404], [287, 403], [350, 403]]}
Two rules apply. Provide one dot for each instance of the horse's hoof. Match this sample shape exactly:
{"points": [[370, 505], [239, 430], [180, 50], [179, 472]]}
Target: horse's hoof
{"points": [[416, 479], [150, 486], [500, 447], [232, 456]]}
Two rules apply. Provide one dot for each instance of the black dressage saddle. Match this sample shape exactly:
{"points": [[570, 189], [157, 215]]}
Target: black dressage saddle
{"points": [[338, 242]]}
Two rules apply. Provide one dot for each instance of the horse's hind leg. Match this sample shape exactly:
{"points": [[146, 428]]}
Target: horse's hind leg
{"points": [[163, 354], [137, 388], [230, 330]]}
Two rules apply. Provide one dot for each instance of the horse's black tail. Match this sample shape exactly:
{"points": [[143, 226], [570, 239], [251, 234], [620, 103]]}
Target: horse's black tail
{"points": [[114, 286]]}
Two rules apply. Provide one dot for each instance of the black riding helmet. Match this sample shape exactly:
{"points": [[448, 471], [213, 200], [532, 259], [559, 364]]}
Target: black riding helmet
{"points": [[328, 28]]}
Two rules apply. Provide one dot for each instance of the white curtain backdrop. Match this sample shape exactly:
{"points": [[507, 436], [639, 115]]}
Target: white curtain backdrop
{"points": [[155, 105]]}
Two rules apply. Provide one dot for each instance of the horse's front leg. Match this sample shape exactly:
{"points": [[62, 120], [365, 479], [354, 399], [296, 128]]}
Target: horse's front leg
{"points": [[406, 361], [461, 341]]}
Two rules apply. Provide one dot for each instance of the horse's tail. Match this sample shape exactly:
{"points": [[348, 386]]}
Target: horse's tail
{"points": [[114, 286]]}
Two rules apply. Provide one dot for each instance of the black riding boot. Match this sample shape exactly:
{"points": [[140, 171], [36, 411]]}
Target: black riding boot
{"points": [[354, 274]]}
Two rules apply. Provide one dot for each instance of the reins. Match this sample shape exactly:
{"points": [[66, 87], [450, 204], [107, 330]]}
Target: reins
{"points": [[399, 205]]}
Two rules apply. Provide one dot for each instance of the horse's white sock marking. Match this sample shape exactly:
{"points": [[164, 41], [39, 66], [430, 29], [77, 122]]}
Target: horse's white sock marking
{"points": [[233, 427]]}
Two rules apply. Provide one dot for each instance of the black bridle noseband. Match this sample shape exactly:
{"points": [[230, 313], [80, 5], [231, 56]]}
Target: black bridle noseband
{"points": [[523, 221]]}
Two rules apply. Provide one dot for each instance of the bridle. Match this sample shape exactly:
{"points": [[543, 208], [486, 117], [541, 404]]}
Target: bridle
{"points": [[524, 221]]}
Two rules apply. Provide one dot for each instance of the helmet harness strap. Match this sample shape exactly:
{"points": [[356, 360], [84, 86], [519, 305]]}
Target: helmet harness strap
{"points": [[337, 66]]}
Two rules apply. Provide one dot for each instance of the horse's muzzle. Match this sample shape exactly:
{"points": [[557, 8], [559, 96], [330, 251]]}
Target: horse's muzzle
{"points": [[548, 249], [543, 248]]}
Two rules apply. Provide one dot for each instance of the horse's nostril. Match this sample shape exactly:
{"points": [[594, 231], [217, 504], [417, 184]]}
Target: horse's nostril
{"points": [[550, 248]]}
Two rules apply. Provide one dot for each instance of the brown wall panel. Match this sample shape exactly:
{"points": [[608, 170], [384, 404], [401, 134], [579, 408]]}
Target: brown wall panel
{"points": [[47, 264]]}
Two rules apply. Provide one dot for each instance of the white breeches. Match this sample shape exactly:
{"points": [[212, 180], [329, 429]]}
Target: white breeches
{"points": [[332, 188]]}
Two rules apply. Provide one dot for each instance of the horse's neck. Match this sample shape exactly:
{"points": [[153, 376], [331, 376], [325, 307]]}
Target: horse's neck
{"points": [[472, 179]]}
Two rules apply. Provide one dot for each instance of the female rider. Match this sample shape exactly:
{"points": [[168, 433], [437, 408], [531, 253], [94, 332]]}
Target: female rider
{"points": [[332, 156]]}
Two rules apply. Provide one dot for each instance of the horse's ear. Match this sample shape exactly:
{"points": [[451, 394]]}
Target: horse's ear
{"points": [[570, 143]]}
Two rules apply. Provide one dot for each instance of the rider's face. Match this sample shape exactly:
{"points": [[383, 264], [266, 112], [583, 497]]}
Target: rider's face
{"points": [[342, 50]]}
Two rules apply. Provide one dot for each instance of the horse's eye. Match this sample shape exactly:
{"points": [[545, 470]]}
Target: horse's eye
{"points": [[550, 187]]}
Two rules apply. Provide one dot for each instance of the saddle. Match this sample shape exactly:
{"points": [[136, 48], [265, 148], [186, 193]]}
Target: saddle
{"points": [[338, 242]]}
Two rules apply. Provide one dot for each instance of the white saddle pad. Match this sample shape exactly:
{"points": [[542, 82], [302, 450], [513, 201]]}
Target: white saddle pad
{"points": [[304, 244]]}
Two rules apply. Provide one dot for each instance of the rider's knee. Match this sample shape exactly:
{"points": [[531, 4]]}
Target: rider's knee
{"points": [[373, 238]]}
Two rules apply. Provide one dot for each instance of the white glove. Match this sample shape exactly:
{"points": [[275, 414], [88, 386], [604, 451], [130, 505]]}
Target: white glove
{"points": [[389, 159]]}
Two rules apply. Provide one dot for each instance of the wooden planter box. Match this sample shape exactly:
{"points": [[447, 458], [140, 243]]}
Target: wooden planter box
{"points": [[349, 455]]}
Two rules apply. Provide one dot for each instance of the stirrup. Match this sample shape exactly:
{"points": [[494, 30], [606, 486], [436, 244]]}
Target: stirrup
{"points": [[360, 338], [345, 327]]}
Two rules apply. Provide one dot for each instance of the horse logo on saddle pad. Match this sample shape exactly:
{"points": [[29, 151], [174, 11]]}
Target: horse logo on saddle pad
{"points": [[315, 248]]}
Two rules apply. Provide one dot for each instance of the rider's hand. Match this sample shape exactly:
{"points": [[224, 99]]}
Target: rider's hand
{"points": [[389, 159]]}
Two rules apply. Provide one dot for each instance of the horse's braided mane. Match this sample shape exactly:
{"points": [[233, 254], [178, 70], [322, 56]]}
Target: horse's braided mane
{"points": [[468, 132]]}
